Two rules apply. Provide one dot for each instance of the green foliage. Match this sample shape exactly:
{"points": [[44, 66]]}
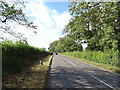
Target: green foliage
{"points": [[97, 56], [52, 46], [11, 12], [44, 49], [97, 23], [65, 44], [18, 55]]}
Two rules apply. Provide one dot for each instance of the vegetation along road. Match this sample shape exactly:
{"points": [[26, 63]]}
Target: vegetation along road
{"points": [[70, 73]]}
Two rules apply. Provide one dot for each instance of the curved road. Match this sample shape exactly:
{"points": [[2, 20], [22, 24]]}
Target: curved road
{"points": [[70, 73]]}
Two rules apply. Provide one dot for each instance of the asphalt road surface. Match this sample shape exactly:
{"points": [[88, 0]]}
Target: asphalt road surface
{"points": [[70, 73]]}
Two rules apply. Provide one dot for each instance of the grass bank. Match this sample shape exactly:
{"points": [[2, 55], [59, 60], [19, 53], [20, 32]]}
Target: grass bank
{"points": [[18, 55], [32, 77], [99, 59], [21, 65]]}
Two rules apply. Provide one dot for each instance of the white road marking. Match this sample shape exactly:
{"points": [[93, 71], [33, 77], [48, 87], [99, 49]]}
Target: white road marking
{"points": [[72, 63], [104, 69], [98, 67], [94, 76], [68, 61], [102, 82]]}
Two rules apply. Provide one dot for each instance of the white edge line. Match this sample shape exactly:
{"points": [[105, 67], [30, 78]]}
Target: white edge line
{"points": [[103, 82], [104, 69], [96, 66], [94, 76], [68, 61], [101, 68]]}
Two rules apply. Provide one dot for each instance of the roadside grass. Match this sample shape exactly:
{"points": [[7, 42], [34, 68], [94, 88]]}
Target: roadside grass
{"points": [[104, 66], [18, 55], [33, 77]]}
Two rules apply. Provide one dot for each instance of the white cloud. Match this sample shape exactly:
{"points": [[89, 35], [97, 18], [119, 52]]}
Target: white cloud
{"points": [[49, 21]]}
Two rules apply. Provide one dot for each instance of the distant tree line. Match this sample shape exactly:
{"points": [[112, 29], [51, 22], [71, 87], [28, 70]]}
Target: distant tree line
{"points": [[65, 44]]}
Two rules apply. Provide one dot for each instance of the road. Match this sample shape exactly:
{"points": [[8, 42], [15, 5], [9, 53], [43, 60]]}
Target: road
{"points": [[70, 73]]}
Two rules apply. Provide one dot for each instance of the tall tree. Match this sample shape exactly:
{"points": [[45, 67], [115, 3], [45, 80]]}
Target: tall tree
{"points": [[52, 46], [67, 44], [95, 23]]}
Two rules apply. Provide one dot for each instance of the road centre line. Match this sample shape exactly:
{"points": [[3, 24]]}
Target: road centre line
{"points": [[72, 63], [68, 61], [103, 82]]}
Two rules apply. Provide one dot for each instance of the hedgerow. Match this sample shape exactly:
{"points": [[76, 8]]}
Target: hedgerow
{"points": [[96, 56], [18, 55]]}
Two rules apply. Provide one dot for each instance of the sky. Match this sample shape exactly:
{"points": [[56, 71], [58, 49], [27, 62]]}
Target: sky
{"points": [[50, 16], [59, 6]]}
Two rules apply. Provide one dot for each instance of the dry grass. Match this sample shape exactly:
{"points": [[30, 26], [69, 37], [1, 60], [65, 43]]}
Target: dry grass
{"points": [[33, 77]]}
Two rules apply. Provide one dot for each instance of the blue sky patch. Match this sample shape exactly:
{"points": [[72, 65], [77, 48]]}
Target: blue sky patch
{"points": [[59, 6]]}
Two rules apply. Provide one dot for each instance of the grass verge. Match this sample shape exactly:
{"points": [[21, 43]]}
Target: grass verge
{"points": [[33, 77], [47, 76], [104, 66]]}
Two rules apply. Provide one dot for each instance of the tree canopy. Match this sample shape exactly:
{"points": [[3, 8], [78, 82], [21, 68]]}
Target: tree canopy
{"points": [[52, 46], [65, 44], [11, 13], [95, 23]]}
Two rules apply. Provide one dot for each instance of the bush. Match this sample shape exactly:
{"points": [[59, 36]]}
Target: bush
{"points": [[18, 55], [96, 56]]}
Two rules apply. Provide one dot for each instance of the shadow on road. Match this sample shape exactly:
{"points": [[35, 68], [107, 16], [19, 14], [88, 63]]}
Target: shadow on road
{"points": [[71, 77]]}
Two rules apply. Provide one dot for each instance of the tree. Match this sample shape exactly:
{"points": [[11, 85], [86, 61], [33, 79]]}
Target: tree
{"points": [[12, 14], [8, 12], [43, 49], [52, 46], [96, 23], [67, 44]]}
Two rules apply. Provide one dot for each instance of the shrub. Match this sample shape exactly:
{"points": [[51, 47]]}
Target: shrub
{"points": [[18, 55], [96, 56]]}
